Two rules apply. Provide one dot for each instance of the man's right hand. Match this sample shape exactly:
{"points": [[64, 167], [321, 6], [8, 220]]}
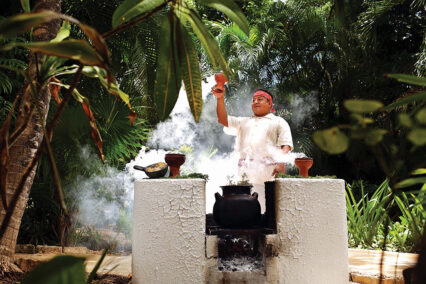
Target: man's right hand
{"points": [[218, 92]]}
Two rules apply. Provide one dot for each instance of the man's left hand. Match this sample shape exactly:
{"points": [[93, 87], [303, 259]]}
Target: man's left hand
{"points": [[279, 168]]}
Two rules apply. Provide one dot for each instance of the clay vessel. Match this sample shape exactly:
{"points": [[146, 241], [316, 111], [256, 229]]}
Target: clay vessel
{"points": [[220, 79], [175, 161], [303, 164], [236, 208]]}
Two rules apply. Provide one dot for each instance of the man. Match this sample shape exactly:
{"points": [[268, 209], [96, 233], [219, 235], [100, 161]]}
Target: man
{"points": [[262, 139]]}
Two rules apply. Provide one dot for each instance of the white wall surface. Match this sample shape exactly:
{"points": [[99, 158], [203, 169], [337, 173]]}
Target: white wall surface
{"points": [[169, 231], [312, 231]]}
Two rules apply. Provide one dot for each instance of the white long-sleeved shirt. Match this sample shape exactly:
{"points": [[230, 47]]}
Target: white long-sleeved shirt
{"points": [[259, 137]]}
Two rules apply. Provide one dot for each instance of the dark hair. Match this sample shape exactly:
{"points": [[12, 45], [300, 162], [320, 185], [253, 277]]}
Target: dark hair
{"points": [[266, 91]]}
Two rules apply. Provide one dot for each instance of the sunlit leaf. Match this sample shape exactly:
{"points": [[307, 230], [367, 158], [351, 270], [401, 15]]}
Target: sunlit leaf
{"points": [[420, 171], [168, 79], [73, 49], [361, 119], [231, 10], [362, 106], [191, 74], [405, 120], [130, 9], [421, 116], [99, 73], [417, 136], [63, 32], [331, 140], [409, 79], [13, 26], [26, 5], [61, 269], [406, 100], [410, 182], [207, 40]]}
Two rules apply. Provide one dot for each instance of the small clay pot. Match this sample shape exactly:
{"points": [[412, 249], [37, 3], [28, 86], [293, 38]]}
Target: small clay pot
{"points": [[303, 164], [175, 161]]}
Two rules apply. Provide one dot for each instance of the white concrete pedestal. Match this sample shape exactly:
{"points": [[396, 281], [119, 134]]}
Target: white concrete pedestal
{"points": [[170, 245], [311, 231], [169, 231]]}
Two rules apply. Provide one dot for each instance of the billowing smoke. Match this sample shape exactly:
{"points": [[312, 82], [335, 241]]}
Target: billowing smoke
{"points": [[208, 150]]}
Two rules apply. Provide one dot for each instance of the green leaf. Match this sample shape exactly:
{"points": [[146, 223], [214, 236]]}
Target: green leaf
{"points": [[361, 119], [417, 136], [421, 116], [231, 10], [13, 26], [168, 79], [362, 106], [190, 72], [62, 269], [26, 5], [374, 136], [410, 182], [409, 79], [209, 43], [63, 32], [406, 100], [100, 74], [73, 49], [130, 9], [405, 120], [331, 140], [420, 171]]}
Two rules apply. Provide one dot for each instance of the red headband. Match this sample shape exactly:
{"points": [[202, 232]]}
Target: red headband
{"points": [[266, 95]]}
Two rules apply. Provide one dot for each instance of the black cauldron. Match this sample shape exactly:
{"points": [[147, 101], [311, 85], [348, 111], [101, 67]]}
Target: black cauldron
{"points": [[237, 208]]}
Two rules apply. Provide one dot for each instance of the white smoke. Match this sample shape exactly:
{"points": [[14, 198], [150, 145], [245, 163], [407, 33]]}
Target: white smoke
{"points": [[210, 152], [302, 107]]}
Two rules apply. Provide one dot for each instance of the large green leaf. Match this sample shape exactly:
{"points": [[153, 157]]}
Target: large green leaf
{"points": [[73, 48], [410, 182], [406, 100], [331, 140], [62, 269], [421, 116], [130, 9], [362, 106], [168, 79], [417, 136], [63, 32], [190, 72], [13, 26], [409, 79], [209, 43], [231, 10]]}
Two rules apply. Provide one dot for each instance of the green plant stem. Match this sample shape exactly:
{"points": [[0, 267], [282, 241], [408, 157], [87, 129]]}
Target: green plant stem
{"points": [[127, 25]]}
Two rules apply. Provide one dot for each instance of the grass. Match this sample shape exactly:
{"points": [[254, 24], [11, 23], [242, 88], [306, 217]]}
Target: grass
{"points": [[368, 216]]}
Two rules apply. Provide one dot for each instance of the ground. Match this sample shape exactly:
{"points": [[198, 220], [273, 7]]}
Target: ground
{"points": [[364, 265]]}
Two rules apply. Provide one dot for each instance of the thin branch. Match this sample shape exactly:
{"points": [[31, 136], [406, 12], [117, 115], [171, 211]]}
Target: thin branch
{"points": [[124, 26]]}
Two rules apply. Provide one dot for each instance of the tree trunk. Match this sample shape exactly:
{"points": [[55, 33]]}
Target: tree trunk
{"points": [[22, 153]]}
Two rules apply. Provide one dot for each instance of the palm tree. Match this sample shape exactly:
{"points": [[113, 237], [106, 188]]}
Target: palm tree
{"points": [[23, 151]]}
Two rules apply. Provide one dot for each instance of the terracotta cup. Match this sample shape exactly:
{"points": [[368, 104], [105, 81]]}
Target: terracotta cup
{"points": [[175, 161], [303, 164]]}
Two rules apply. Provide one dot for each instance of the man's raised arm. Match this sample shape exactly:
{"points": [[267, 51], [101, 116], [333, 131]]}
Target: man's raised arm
{"points": [[222, 115]]}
